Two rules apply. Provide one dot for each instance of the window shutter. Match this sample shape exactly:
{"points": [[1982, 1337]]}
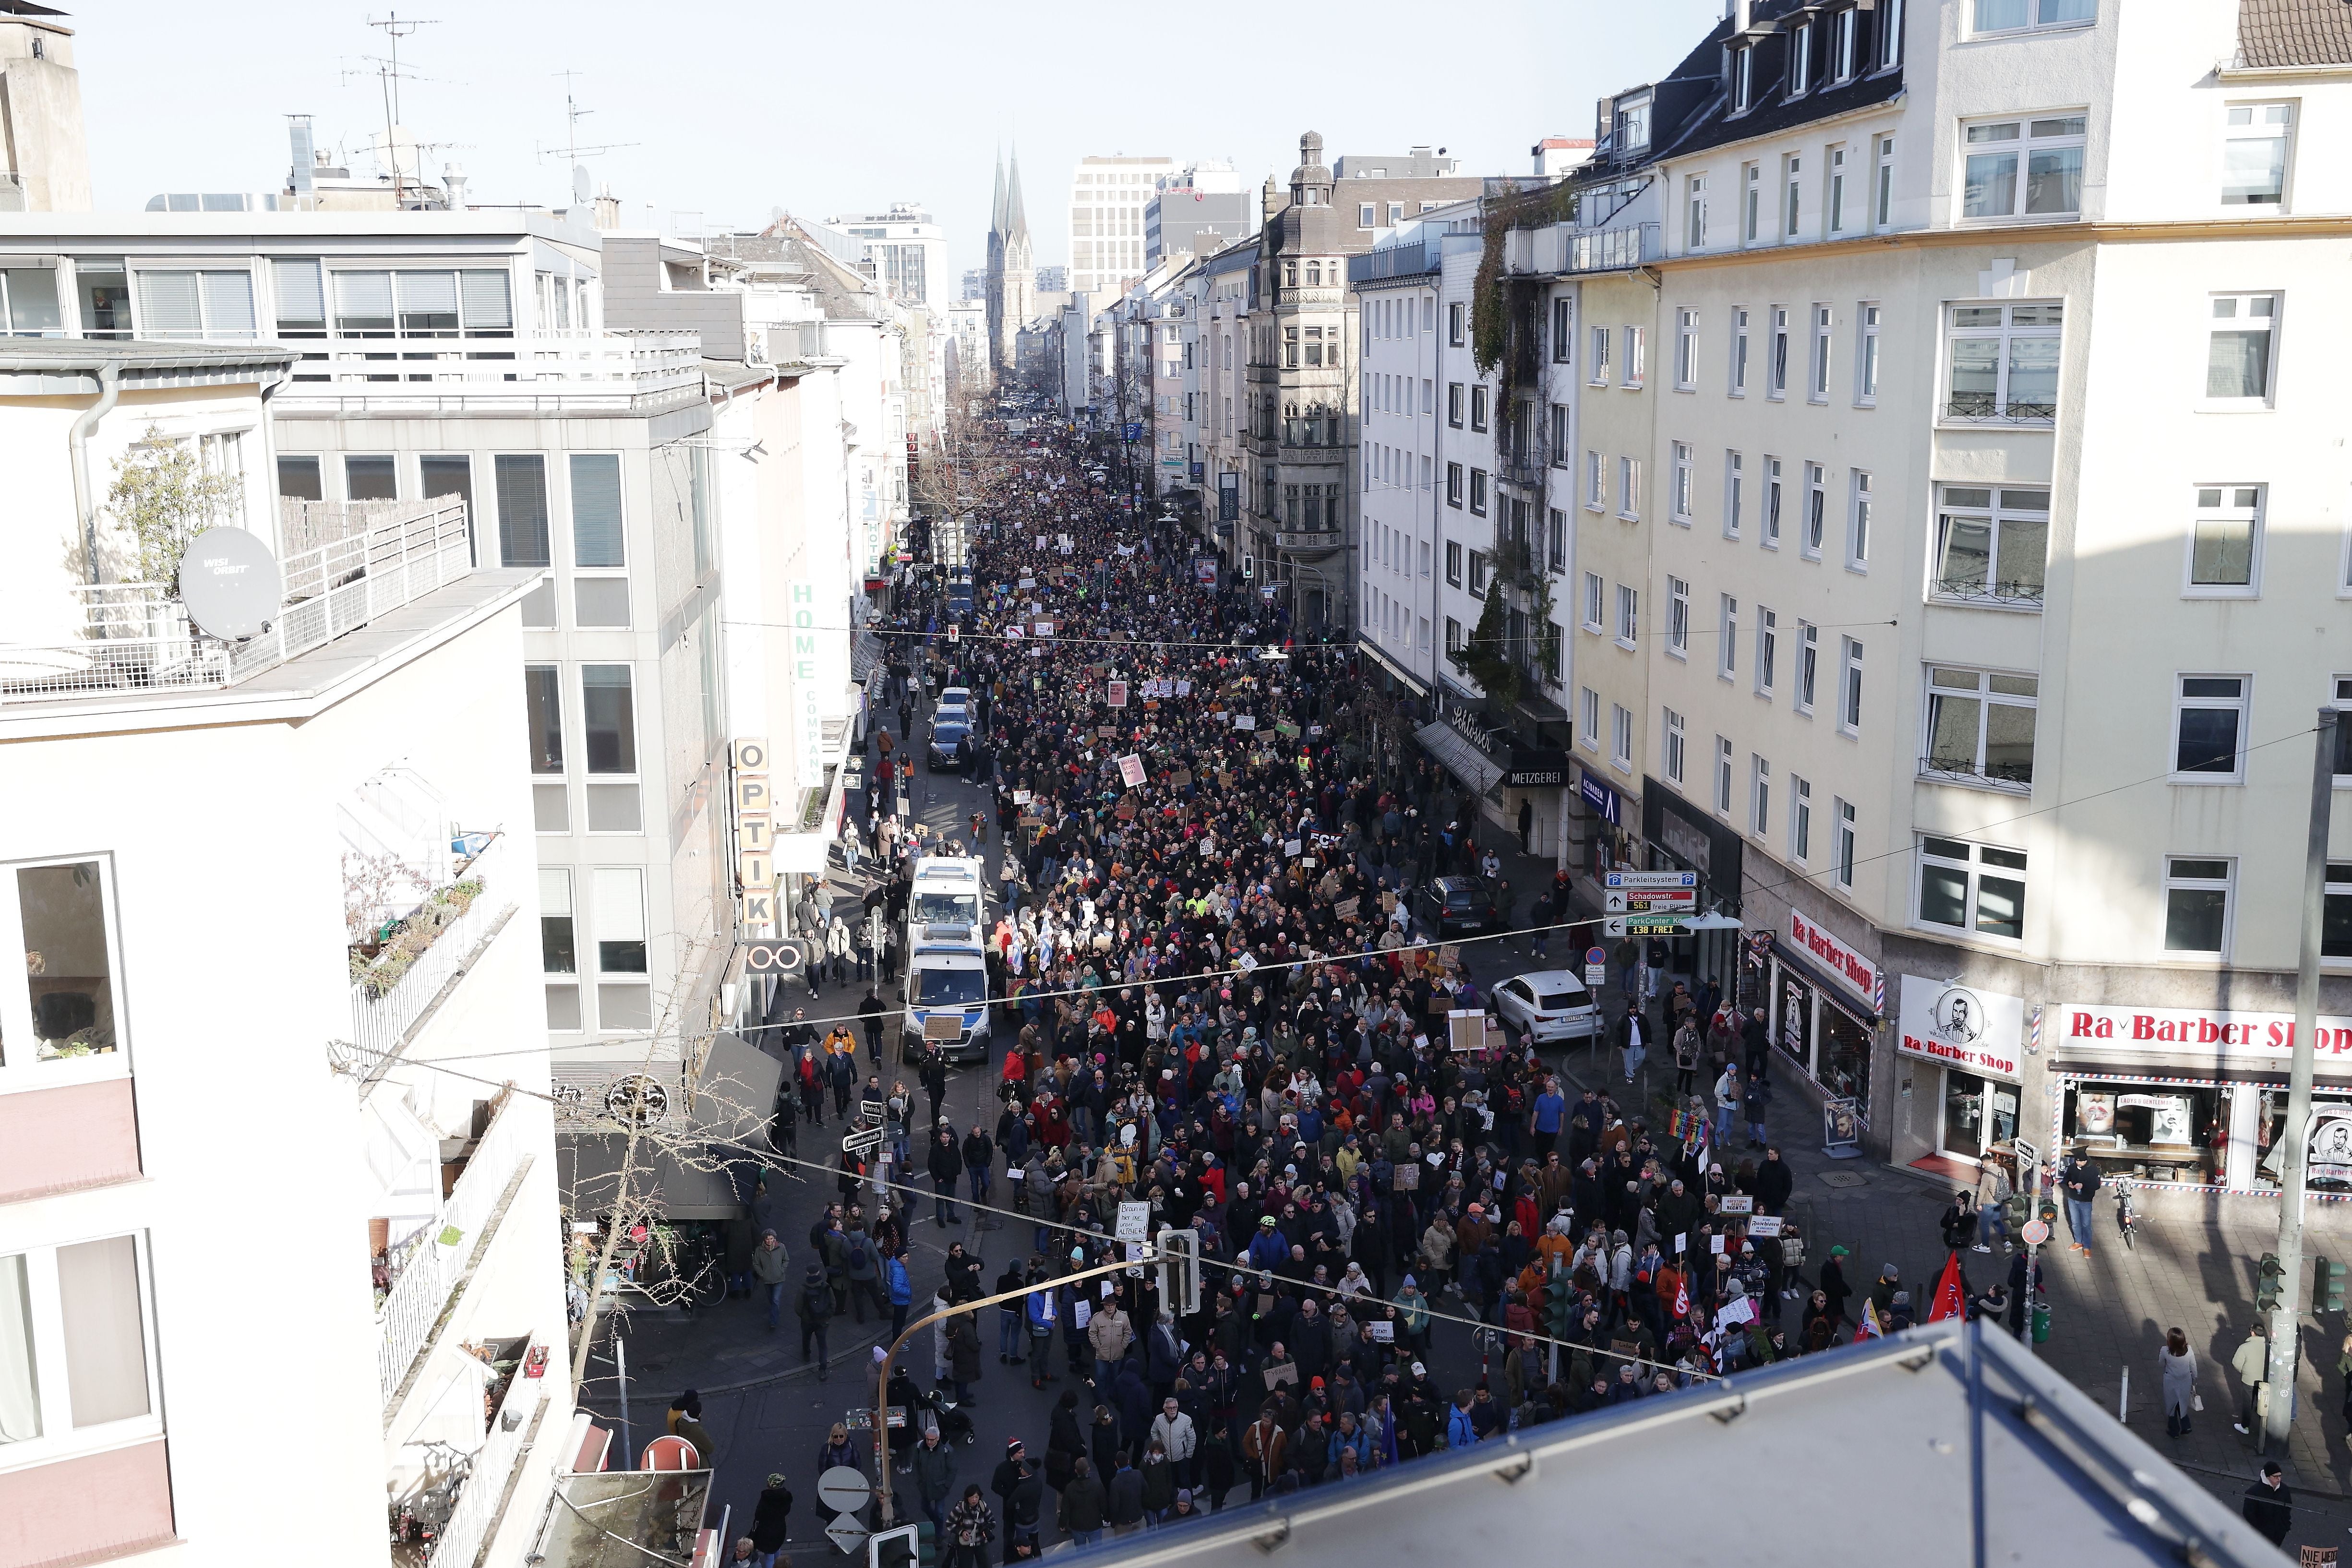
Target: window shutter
{"points": [[489, 307], [620, 904], [596, 509], [167, 306], [426, 294], [364, 302], [228, 304], [301, 293]]}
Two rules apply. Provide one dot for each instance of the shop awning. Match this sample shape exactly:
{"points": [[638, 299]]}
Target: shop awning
{"points": [[1420, 688], [865, 653], [1454, 752]]}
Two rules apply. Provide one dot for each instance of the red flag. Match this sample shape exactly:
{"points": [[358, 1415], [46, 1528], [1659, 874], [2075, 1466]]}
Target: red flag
{"points": [[1681, 1298], [1950, 1302]]}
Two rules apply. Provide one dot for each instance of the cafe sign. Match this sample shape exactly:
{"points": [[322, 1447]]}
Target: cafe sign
{"points": [[1976, 1030]]}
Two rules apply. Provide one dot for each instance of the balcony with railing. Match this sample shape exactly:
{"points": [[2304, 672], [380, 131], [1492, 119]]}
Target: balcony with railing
{"points": [[1986, 408], [128, 638], [418, 1275], [1561, 250], [1315, 541], [576, 370], [458, 1500], [397, 979]]}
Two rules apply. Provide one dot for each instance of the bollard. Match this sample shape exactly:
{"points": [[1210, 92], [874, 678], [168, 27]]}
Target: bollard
{"points": [[2123, 1398]]}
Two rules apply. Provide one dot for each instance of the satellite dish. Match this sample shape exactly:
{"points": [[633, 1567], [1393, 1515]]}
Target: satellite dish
{"points": [[582, 191], [229, 581]]}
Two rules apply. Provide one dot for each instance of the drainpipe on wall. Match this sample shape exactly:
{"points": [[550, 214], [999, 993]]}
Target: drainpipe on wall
{"points": [[109, 389]]}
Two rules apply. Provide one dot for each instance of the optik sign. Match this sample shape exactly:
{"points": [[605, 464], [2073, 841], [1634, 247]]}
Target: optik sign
{"points": [[808, 703]]}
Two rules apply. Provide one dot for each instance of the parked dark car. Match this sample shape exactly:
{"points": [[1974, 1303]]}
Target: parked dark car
{"points": [[941, 754], [1454, 904]]}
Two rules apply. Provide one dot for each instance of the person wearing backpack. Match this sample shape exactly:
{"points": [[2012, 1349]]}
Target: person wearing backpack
{"points": [[815, 1309]]}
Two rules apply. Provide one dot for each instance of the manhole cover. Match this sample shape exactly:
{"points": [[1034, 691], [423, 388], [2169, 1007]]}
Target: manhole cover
{"points": [[1843, 1178]]}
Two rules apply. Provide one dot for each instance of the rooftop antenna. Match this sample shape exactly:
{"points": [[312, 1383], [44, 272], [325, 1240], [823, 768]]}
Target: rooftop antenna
{"points": [[573, 115], [395, 30]]}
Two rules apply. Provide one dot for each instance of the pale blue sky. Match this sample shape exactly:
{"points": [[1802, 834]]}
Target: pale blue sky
{"points": [[838, 108]]}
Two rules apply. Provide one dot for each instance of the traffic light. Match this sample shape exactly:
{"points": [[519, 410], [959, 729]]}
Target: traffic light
{"points": [[2013, 1211], [1179, 1270], [1559, 1305], [2327, 1286], [2270, 1282]]}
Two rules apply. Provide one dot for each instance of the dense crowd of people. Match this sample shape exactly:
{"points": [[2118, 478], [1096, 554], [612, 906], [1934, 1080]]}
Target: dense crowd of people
{"points": [[1213, 1003]]}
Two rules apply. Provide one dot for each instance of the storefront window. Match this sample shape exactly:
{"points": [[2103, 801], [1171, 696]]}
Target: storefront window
{"points": [[2151, 1132], [1980, 1115], [1795, 1034], [2327, 1161], [1844, 1059]]}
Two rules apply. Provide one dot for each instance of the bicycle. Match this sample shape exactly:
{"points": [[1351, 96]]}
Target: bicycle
{"points": [[2127, 1216]]}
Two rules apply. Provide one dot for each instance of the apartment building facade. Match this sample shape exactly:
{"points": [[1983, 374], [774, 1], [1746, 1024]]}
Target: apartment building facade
{"points": [[1976, 660], [343, 793]]}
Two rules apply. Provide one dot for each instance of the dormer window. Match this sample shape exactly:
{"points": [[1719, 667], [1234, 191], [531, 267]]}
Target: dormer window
{"points": [[1801, 59], [1743, 78], [1632, 125], [1844, 35]]}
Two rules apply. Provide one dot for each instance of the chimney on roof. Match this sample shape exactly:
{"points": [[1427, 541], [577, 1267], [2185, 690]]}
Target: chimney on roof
{"points": [[608, 208], [453, 182], [297, 131]]}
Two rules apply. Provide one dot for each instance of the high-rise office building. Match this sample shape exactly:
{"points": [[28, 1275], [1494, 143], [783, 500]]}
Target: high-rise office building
{"points": [[1107, 198], [905, 253]]}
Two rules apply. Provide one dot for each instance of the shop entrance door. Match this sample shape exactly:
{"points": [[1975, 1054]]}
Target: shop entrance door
{"points": [[1980, 1115]]}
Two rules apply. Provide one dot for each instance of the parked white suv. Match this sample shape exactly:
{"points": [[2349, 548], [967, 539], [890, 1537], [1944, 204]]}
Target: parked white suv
{"points": [[1547, 1006]]}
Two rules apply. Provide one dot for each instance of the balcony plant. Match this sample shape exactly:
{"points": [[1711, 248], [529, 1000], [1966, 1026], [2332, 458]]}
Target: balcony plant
{"points": [[382, 950], [163, 496]]}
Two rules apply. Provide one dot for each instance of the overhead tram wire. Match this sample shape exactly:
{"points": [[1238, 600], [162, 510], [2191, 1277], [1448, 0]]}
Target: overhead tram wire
{"points": [[1119, 983], [1228, 1265]]}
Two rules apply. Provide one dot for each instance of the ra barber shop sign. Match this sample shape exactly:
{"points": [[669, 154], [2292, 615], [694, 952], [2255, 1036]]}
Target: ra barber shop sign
{"points": [[1840, 961], [1976, 1031], [2084, 1031]]}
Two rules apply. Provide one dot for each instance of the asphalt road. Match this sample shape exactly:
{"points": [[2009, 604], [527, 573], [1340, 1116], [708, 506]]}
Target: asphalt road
{"points": [[775, 1418]]}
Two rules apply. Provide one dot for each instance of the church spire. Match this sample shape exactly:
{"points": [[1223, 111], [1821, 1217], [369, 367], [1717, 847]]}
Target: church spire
{"points": [[1016, 222], [996, 211]]}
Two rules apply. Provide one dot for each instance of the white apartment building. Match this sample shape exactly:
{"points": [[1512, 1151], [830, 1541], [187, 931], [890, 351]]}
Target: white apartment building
{"points": [[279, 886], [1989, 641], [1397, 284], [1225, 283], [906, 252], [1107, 198]]}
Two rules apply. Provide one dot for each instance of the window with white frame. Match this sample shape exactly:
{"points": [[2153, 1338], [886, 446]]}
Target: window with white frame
{"points": [[1978, 889], [1563, 330], [2255, 141], [1735, 497], [77, 1372], [2209, 730], [1776, 362], [1833, 204], [1883, 216], [1736, 382], [1561, 452], [559, 949], [1588, 716], [2196, 906], [1677, 617], [1694, 213], [1773, 493], [1752, 179], [1978, 726], [1453, 562], [1596, 482], [1595, 598], [1722, 776], [1629, 615], [1767, 649], [1453, 634], [2225, 542], [61, 1021], [1890, 34], [1629, 489], [1597, 362], [1850, 685], [186, 303], [1637, 355], [1992, 545], [2003, 363], [1818, 389], [1686, 351], [1671, 755], [1555, 543], [1801, 58], [1621, 737], [1792, 188], [1743, 78], [2343, 687], [1680, 484], [1477, 574], [1800, 820], [2022, 16], [1846, 44], [1817, 492], [1760, 796], [1866, 358], [2022, 168], [1809, 664], [2238, 349], [1857, 523], [1726, 636]]}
